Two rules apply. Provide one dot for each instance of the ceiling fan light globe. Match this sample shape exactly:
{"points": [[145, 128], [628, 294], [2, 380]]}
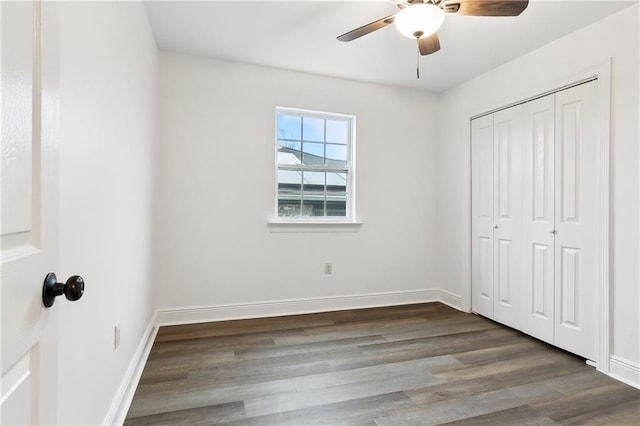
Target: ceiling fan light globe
{"points": [[419, 18]]}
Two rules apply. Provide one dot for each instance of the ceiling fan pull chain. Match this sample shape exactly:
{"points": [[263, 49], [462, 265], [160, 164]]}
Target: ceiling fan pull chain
{"points": [[418, 64]]}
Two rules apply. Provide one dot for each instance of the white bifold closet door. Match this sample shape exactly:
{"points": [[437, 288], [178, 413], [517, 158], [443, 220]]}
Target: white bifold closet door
{"points": [[507, 214], [496, 247], [482, 215], [560, 227], [538, 231], [576, 217], [535, 225]]}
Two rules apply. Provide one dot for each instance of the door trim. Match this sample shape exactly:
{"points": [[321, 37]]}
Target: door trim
{"points": [[604, 117]]}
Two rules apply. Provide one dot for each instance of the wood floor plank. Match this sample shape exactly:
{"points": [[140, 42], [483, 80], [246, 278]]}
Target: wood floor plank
{"points": [[379, 372], [216, 343], [443, 328], [397, 365], [308, 393], [238, 327], [357, 410], [452, 389], [153, 375], [150, 399], [193, 416], [586, 401], [482, 403], [625, 413], [193, 359], [524, 362], [304, 348], [522, 415], [490, 355]]}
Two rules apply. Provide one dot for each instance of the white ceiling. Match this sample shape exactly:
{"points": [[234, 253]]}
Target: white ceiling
{"points": [[301, 36]]}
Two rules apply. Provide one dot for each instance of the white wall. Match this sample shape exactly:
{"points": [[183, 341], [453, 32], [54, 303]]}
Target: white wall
{"points": [[108, 102], [215, 178], [534, 73]]}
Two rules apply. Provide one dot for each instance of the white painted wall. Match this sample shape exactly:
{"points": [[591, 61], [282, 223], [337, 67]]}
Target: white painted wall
{"points": [[108, 118], [534, 73], [215, 179]]}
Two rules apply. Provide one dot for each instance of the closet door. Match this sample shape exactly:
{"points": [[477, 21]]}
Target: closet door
{"points": [[538, 149], [576, 218], [507, 240], [482, 215]]}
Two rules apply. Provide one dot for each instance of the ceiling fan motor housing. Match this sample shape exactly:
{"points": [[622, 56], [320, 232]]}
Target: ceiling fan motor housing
{"points": [[424, 19]]}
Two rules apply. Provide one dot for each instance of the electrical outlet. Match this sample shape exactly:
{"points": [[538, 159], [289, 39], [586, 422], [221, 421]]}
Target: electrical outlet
{"points": [[116, 336], [328, 268]]}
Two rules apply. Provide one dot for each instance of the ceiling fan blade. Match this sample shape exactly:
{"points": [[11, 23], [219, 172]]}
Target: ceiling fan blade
{"points": [[486, 7], [429, 45], [366, 29]]}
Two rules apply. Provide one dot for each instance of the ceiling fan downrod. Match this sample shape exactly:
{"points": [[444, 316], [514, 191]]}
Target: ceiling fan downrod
{"points": [[418, 64]]}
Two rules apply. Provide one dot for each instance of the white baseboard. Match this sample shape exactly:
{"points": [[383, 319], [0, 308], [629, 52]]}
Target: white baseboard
{"points": [[625, 371], [124, 396], [450, 299], [302, 306]]}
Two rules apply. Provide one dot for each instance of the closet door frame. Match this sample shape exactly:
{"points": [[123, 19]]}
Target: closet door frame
{"points": [[602, 72]]}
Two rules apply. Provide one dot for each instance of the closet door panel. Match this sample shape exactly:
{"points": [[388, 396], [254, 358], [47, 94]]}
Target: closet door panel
{"points": [[485, 274], [576, 218], [507, 215], [504, 282], [538, 145], [541, 290], [482, 215], [570, 287]]}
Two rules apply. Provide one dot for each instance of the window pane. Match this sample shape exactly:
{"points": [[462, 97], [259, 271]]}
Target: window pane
{"points": [[313, 129], [289, 127], [336, 155], [305, 210], [289, 152], [337, 204], [313, 192], [315, 207], [337, 131], [289, 180], [336, 182], [313, 178], [289, 208], [313, 153]]}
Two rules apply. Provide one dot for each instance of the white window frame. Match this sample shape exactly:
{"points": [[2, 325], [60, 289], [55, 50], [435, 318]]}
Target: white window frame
{"points": [[350, 217]]}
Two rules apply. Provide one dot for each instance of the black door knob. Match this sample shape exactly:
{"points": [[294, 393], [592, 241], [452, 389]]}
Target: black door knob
{"points": [[73, 289]]}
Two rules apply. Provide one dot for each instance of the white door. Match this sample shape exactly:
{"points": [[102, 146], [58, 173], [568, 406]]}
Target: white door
{"points": [[482, 215], [576, 218], [538, 150], [507, 244], [29, 219]]}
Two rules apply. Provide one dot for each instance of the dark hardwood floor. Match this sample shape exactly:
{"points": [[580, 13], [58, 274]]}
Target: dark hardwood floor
{"points": [[403, 365]]}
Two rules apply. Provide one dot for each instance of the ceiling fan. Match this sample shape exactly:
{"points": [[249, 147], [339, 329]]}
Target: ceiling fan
{"points": [[420, 19]]}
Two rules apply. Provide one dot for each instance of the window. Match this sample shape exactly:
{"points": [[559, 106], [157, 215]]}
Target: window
{"points": [[314, 165]]}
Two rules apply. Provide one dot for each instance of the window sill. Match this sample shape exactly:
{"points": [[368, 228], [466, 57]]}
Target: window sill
{"points": [[304, 226]]}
